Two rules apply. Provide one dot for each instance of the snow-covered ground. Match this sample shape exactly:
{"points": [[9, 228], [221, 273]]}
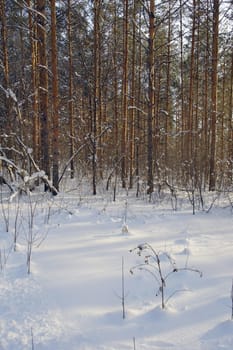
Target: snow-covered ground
{"points": [[73, 297]]}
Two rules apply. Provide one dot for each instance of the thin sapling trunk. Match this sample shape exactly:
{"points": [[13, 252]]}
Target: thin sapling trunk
{"points": [[123, 288], [232, 300]]}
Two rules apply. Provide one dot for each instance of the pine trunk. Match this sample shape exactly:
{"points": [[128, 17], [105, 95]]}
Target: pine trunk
{"points": [[55, 117], [43, 87], [214, 82], [151, 98]]}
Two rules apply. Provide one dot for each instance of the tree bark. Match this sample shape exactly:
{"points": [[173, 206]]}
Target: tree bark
{"points": [[55, 116], [230, 123], [34, 78], [43, 87], [124, 126], [4, 39], [214, 82], [151, 97], [132, 102], [96, 123], [189, 140], [71, 89]]}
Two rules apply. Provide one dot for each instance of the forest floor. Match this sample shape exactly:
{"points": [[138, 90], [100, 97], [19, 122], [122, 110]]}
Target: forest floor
{"points": [[72, 299]]}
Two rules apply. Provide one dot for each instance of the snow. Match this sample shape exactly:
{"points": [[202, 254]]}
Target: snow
{"points": [[73, 297]]}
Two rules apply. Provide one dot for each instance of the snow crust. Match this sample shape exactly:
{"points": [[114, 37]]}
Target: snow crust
{"points": [[72, 298]]}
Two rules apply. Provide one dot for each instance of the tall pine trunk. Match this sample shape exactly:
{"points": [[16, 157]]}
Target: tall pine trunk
{"points": [[43, 87], [55, 117], [151, 98], [214, 82], [4, 39], [71, 89], [34, 78], [124, 126]]}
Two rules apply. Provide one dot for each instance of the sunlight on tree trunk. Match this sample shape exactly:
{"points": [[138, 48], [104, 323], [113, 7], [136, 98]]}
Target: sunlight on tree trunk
{"points": [[43, 87], [55, 112], [151, 97], [214, 81]]}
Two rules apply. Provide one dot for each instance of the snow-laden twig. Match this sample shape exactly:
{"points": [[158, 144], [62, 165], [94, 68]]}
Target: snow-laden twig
{"points": [[125, 228], [40, 174]]}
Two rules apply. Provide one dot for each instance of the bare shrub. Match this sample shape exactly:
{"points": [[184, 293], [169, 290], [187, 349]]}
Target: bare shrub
{"points": [[152, 264]]}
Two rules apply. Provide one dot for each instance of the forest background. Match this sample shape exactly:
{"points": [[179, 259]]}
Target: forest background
{"points": [[131, 90]]}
